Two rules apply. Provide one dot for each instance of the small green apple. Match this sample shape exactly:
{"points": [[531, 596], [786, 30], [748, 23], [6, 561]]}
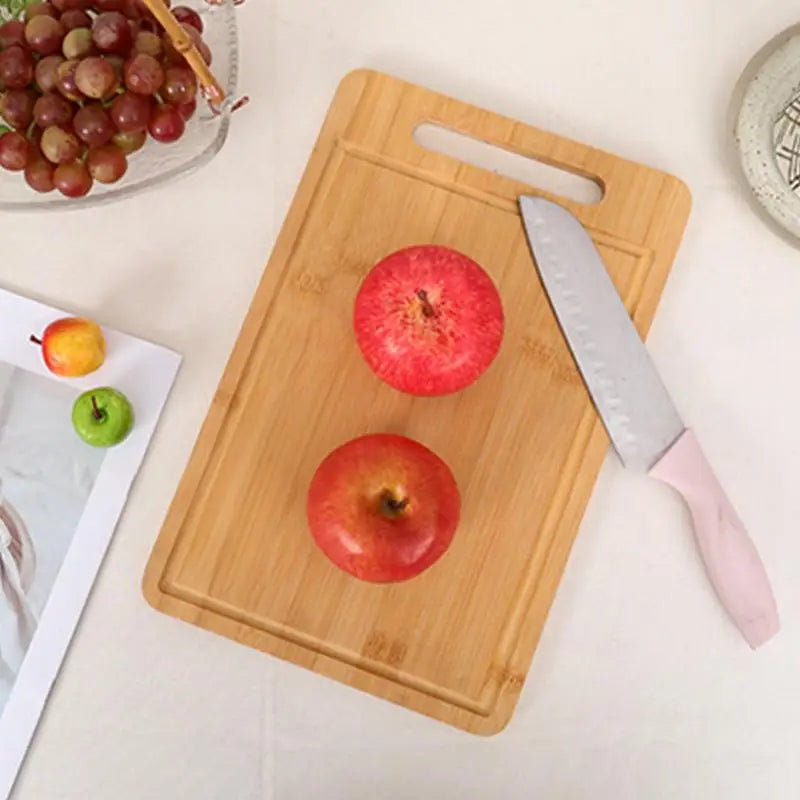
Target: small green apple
{"points": [[102, 417]]}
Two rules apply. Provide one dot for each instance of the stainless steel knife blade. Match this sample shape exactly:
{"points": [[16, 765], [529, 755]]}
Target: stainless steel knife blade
{"points": [[633, 403]]}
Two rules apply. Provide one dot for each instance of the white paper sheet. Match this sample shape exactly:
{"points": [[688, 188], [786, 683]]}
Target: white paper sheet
{"points": [[69, 496]]}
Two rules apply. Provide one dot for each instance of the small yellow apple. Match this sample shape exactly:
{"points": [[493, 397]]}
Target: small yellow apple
{"points": [[72, 347]]}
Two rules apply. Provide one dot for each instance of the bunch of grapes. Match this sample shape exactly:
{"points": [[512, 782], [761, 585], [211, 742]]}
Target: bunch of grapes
{"points": [[82, 85]]}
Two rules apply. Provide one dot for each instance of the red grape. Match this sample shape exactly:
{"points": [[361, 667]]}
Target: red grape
{"points": [[12, 32], [66, 80], [130, 142], [150, 25], [107, 164], [180, 85], [52, 109], [187, 110], [132, 10], [16, 106], [40, 10], [16, 67], [69, 5], [189, 16], [143, 74], [46, 73], [44, 35], [95, 77], [72, 179], [150, 43], [13, 151], [60, 145], [77, 43], [131, 112], [93, 125], [76, 18], [112, 33], [39, 172], [118, 63], [166, 124], [109, 5]]}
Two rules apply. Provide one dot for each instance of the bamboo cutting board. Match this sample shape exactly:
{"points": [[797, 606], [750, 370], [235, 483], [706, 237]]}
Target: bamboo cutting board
{"points": [[524, 443]]}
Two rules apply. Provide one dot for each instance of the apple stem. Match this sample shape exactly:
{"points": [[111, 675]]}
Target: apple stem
{"points": [[36, 340], [98, 414], [427, 307], [392, 506]]}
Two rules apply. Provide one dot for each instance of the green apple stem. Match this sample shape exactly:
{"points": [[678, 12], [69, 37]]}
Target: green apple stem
{"points": [[427, 307], [36, 340], [98, 414]]}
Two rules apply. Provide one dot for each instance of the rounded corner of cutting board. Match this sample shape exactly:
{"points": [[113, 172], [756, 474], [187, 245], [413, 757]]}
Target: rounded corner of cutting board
{"points": [[356, 78], [685, 199], [488, 726], [352, 86], [151, 583], [497, 722]]}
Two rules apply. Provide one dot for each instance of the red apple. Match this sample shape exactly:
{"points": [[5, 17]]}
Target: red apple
{"points": [[428, 320], [383, 507]]}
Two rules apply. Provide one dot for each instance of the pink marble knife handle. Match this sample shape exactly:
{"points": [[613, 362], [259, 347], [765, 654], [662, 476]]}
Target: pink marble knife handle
{"points": [[731, 559]]}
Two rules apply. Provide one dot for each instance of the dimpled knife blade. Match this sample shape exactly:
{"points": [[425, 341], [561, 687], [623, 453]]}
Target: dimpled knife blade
{"points": [[625, 387]]}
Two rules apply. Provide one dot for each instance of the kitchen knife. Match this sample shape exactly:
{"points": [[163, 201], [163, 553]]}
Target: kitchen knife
{"points": [[639, 416]]}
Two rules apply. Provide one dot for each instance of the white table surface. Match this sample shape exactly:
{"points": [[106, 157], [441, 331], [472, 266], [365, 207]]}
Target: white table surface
{"points": [[640, 687]]}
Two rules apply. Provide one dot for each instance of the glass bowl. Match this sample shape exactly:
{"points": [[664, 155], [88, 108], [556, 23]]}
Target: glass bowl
{"points": [[156, 163]]}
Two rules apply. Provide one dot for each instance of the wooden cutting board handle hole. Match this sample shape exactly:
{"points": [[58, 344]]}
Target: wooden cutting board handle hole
{"points": [[550, 178]]}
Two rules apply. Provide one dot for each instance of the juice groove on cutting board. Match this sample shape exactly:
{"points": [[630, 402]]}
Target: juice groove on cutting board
{"points": [[524, 443]]}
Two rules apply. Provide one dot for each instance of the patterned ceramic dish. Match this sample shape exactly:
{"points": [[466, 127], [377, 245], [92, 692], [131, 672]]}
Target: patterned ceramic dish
{"points": [[765, 121]]}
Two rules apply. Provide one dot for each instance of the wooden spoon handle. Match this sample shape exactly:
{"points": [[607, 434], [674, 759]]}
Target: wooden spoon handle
{"points": [[209, 85]]}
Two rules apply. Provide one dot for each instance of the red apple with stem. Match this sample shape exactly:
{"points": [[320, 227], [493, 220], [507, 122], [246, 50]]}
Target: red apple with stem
{"points": [[428, 320], [383, 507]]}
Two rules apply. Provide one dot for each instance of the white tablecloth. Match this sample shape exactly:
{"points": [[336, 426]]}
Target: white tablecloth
{"points": [[640, 688]]}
